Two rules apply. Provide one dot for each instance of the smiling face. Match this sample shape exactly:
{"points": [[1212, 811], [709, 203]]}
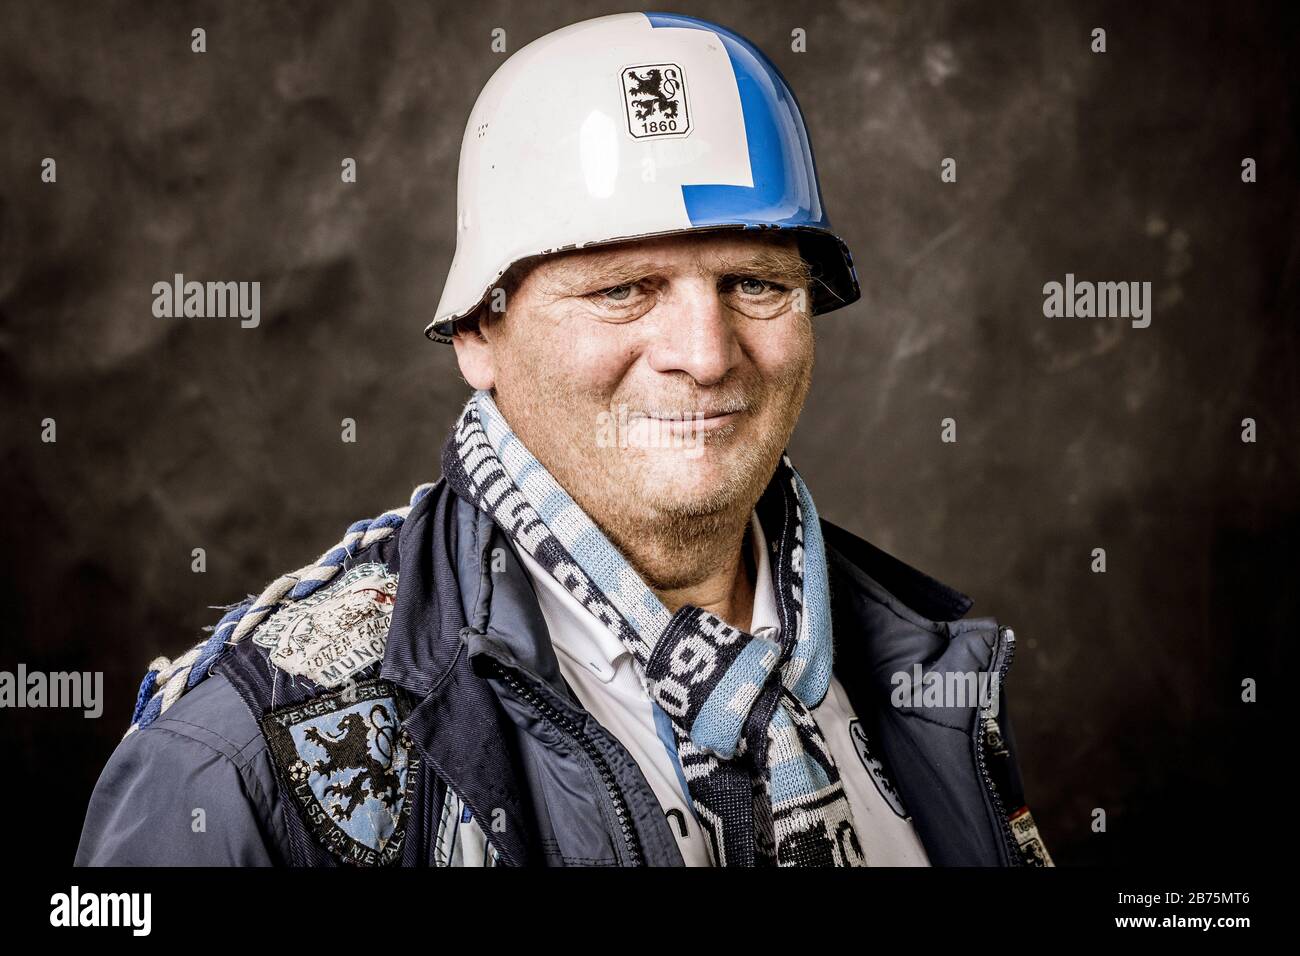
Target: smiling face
{"points": [[657, 380]]}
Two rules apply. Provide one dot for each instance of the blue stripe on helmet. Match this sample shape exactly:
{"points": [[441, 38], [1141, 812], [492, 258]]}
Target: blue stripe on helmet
{"points": [[780, 158]]}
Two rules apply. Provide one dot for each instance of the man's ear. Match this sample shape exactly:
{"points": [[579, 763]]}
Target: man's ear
{"points": [[474, 354]]}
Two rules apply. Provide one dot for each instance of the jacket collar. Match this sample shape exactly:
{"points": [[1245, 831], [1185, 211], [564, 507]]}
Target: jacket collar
{"points": [[904, 585]]}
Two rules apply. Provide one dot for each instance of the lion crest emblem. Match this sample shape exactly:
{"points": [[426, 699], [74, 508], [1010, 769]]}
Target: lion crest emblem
{"points": [[349, 767]]}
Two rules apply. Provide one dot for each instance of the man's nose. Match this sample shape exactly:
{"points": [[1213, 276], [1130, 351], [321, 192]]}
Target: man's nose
{"points": [[696, 334]]}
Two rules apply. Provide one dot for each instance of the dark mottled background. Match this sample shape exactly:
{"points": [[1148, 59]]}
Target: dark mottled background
{"points": [[1072, 434]]}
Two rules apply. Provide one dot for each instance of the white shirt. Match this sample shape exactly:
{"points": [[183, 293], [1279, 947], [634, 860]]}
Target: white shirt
{"points": [[602, 673]]}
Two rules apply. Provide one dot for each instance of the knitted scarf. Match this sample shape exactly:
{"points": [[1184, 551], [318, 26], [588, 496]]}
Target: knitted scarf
{"points": [[761, 778]]}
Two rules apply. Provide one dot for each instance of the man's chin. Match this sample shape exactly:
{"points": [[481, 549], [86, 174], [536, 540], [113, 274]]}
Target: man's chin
{"points": [[677, 482]]}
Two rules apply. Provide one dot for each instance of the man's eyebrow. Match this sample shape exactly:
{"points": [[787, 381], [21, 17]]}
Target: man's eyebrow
{"points": [[776, 263]]}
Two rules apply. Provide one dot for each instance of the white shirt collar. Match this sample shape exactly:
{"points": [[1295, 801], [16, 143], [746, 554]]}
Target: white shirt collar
{"points": [[575, 631], [765, 613]]}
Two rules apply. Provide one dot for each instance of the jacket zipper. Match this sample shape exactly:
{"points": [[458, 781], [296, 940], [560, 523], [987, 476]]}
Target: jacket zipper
{"points": [[1004, 828], [565, 725]]}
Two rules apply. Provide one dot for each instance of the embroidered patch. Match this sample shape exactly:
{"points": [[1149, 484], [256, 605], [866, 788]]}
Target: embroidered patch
{"points": [[350, 768], [334, 633], [654, 96], [1032, 849], [875, 768]]}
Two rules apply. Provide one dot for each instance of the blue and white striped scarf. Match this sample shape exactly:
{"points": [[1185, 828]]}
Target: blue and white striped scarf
{"points": [[762, 781]]}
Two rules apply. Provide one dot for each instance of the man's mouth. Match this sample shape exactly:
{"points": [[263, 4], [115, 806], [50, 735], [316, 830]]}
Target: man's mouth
{"points": [[705, 419], [680, 427]]}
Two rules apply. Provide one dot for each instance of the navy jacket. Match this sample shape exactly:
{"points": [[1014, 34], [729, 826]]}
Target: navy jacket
{"points": [[475, 736]]}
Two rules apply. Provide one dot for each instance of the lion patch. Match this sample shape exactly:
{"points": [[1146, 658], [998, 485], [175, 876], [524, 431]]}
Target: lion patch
{"points": [[349, 768]]}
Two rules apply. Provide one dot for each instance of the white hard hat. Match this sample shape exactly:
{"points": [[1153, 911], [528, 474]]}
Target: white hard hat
{"points": [[625, 127]]}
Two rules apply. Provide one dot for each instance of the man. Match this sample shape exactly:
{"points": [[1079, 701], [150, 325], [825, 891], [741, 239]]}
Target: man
{"points": [[615, 631]]}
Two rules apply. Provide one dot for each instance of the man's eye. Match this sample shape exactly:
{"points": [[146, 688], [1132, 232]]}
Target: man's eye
{"points": [[616, 293], [751, 286]]}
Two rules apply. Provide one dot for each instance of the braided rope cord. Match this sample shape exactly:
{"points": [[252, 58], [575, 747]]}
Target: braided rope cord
{"points": [[167, 680]]}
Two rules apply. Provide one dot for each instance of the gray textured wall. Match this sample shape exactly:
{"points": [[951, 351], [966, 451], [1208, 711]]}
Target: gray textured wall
{"points": [[1072, 434]]}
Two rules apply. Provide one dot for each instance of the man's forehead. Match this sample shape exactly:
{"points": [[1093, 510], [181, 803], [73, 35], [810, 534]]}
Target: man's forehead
{"points": [[768, 251]]}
